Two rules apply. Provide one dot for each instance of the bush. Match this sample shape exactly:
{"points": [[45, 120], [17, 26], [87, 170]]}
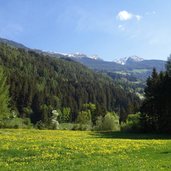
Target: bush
{"points": [[16, 123], [110, 122], [84, 117], [99, 124], [83, 121], [65, 115], [132, 123], [54, 124]]}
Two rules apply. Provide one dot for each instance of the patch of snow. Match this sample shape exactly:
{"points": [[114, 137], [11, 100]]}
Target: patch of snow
{"points": [[124, 60]]}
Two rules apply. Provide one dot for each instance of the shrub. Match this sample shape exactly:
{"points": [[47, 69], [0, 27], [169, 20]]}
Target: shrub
{"points": [[99, 124], [65, 115], [83, 121], [110, 122], [132, 123], [84, 117], [54, 124], [16, 123]]}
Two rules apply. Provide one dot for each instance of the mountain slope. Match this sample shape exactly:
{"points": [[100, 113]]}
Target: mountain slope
{"points": [[127, 64], [131, 66], [99, 65], [134, 66], [125, 60], [13, 43], [40, 83], [145, 64]]}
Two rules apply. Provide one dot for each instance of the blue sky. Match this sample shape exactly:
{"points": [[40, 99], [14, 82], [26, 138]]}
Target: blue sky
{"points": [[107, 28]]}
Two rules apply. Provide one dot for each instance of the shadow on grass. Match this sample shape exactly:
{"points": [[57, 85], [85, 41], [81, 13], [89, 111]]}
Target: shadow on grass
{"points": [[136, 136]]}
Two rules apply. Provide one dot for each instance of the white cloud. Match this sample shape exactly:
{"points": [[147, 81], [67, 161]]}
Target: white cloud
{"points": [[125, 15], [121, 27]]}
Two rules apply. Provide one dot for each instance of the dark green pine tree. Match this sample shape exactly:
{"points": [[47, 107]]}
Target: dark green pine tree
{"points": [[165, 123], [149, 108], [4, 97]]}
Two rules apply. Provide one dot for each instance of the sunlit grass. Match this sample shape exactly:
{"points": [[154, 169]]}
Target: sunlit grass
{"points": [[76, 150]]}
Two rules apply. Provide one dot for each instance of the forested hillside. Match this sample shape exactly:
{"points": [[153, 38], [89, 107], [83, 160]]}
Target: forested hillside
{"points": [[39, 84]]}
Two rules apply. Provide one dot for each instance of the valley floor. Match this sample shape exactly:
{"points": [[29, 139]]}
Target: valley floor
{"points": [[75, 150]]}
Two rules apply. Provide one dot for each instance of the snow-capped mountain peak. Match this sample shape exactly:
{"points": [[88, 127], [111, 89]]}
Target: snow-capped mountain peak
{"points": [[81, 55], [135, 58], [95, 57], [76, 55], [124, 60], [121, 61]]}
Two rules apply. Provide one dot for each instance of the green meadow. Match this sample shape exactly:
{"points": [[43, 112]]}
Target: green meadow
{"points": [[82, 150]]}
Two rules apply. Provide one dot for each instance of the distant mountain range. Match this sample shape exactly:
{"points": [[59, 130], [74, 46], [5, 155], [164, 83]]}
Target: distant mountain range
{"points": [[124, 64], [126, 60], [132, 68], [133, 65]]}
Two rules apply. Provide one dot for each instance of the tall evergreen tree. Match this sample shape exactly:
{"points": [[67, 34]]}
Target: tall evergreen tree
{"points": [[4, 96]]}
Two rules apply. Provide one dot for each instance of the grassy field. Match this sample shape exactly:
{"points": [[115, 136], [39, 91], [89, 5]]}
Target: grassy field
{"points": [[73, 150]]}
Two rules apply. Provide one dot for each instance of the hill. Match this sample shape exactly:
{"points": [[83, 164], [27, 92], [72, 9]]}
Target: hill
{"points": [[13, 43], [40, 83]]}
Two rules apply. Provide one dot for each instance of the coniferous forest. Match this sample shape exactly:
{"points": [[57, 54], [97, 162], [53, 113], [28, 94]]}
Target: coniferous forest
{"points": [[156, 108], [39, 84]]}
